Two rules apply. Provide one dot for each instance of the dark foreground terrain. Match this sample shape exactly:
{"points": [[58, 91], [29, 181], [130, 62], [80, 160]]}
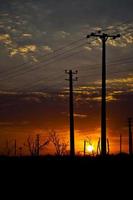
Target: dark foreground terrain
{"points": [[66, 174], [61, 163]]}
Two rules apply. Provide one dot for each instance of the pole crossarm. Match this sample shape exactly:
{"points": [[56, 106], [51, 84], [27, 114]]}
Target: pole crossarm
{"points": [[104, 36]]}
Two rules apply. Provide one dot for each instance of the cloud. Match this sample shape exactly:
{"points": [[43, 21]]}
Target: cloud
{"points": [[26, 95], [47, 49], [5, 39], [32, 99], [6, 123], [23, 33], [62, 35], [35, 22], [27, 48], [115, 89], [126, 82], [4, 93], [87, 48], [126, 31], [128, 38], [80, 115], [27, 35]]}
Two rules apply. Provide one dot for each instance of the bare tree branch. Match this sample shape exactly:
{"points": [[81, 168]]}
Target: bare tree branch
{"points": [[60, 147]]}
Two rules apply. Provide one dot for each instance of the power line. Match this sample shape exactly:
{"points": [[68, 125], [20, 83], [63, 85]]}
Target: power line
{"points": [[68, 45], [62, 58], [98, 64], [51, 53], [26, 86], [34, 67], [39, 83], [115, 62]]}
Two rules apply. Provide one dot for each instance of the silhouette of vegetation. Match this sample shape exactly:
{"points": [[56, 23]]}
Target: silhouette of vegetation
{"points": [[11, 148], [60, 147], [34, 146]]}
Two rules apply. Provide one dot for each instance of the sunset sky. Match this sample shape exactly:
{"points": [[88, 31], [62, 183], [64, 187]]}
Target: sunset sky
{"points": [[39, 40]]}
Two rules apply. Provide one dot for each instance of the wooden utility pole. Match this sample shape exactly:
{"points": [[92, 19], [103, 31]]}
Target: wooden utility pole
{"points": [[130, 136], [15, 148], [71, 110], [37, 145], [120, 143], [103, 37], [84, 147]]}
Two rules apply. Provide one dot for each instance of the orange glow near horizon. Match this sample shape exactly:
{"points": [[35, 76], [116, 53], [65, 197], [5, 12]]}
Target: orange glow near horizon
{"points": [[80, 136]]}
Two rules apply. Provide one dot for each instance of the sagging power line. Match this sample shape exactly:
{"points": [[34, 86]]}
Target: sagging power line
{"points": [[22, 66]]}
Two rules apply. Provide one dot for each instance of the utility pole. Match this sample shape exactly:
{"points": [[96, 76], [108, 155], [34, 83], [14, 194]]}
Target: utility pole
{"points": [[130, 135], [103, 37], [15, 148], [37, 145], [71, 110], [20, 151], [120, 143], [84, 147]]}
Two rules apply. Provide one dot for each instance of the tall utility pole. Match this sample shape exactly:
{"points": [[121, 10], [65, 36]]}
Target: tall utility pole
{"points": [[120, 143], [130, 136], [37, 144], [15, 148], [103, 37], [84, 147], [71, 110]]}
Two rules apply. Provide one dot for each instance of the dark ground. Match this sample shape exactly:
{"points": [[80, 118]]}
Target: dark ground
{"points": [[52, 163], [85, 175]]}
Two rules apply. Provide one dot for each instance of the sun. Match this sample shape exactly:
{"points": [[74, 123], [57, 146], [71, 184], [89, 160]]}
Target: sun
{"points": [[90, 148]]}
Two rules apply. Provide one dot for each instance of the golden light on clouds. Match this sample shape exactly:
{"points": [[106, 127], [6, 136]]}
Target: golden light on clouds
{"points": [[6, 39], [87, 48], [23, 50], [126, 81], [27, 49], [13, 52], [80, 115], [47, 49], [92, 91], [27, 35], [128, 38]]}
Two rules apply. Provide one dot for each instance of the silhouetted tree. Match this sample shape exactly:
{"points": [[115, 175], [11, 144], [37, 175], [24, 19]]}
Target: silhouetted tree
{"points": [[60, 147], [7, 148], [34, 146], [11, 148], [20, 151]]}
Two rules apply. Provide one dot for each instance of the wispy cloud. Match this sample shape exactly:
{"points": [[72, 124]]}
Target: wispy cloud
{"points": [[62, 34], [115, 88], [80, 115]]}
